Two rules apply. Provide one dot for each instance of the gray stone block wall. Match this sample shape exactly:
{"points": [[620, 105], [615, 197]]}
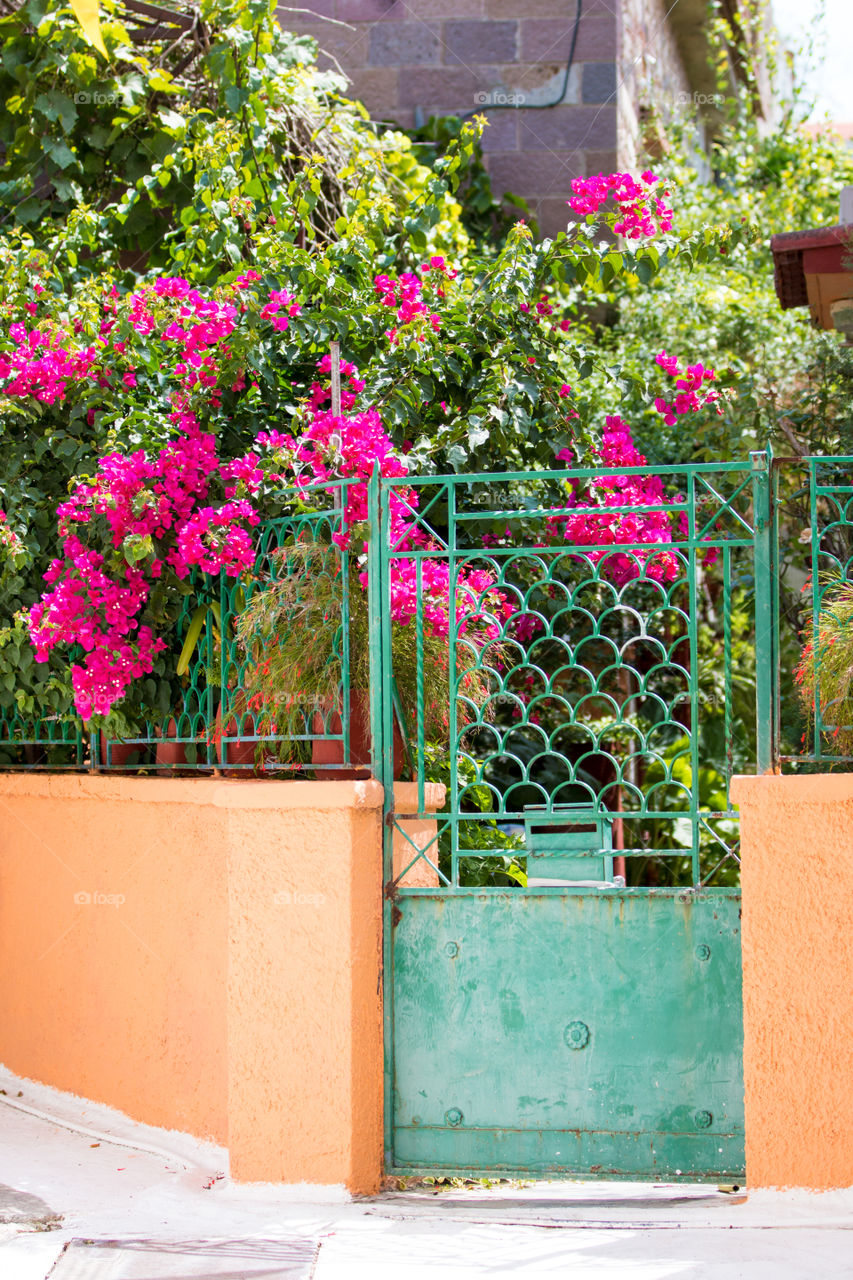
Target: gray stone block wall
{"points": [[505, 59]]}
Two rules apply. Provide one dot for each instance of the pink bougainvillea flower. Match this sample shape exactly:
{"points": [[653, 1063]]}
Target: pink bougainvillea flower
{"points": [[640, 213]]}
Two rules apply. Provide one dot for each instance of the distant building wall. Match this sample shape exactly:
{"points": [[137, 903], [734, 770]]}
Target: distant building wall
{"points": [[653, 81], [410, 59], [635, 64]]}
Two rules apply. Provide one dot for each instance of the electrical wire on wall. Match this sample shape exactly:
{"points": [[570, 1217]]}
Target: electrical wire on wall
{"points": [[541, 106]]}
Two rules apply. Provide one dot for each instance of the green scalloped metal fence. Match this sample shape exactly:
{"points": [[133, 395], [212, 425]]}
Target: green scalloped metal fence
{"points": [[629, 698], [605, 687], [208, 725]]}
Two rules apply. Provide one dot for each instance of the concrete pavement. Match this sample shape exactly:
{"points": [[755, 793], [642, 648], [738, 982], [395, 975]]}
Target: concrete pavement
{"points": [[89, 1195]]}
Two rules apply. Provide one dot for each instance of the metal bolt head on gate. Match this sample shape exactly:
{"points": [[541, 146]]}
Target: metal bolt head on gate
{"points": [[576, 1035]]}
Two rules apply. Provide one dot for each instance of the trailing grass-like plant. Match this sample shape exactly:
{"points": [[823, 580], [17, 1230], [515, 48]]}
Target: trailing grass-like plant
{"points": [[311, 615], [824, 673]]}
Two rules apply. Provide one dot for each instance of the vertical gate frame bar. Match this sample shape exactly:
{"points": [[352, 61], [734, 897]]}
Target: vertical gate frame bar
{"points": [[419, 764], [693, 682], [381, 713], [453, 674], [222, 753], [765, 640], [777, 608], [346, 615], [727, 669]]}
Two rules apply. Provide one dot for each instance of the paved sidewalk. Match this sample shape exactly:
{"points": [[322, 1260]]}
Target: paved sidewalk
{"points": [[94, 1206]]}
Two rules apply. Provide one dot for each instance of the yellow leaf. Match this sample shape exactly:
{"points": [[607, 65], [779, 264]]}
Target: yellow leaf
{"points": [[88, 14]]}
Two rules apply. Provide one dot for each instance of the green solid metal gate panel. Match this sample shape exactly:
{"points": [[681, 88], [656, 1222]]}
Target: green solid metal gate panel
{"points": [[568, 1032]]}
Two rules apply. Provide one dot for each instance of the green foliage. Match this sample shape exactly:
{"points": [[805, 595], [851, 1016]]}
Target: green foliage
{"points": [[475, 835], [483, 212], [716, 836], [142, 162], [793, 383], [255, 160]]}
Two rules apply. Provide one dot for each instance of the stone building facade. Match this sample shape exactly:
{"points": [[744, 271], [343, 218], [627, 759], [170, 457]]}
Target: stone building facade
{"points": [[569, 87]]}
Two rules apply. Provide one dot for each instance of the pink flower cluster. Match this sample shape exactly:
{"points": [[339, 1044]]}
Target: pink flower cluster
{"points": [[191, 330], [89, 608], [540, 311], [42, 367], [641, 213], [350, 447], [479, 607], [279, 308], [601, 522], [152, 510], [184, 509], [351, 385], [689, 382], [195, 335], [405, 297]]}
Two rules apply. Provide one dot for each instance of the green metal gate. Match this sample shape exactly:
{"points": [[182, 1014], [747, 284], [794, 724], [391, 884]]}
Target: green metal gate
{"points": [[563, 980]]}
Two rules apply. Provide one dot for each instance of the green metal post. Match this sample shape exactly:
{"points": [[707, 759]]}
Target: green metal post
{"points": [[381, 712], [693, 683], [765, 639], [374, 606], [777, 628]]}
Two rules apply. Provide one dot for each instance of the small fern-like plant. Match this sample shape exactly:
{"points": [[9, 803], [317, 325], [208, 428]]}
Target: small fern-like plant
{"points": [[824, 673], [292, 633]]}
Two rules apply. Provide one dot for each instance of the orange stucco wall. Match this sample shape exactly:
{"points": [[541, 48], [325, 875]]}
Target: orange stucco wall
{"points": [[223, 975], [797, 848]]}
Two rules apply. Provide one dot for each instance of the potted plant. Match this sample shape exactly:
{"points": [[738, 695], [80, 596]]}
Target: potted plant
{"points": [[824, 673], [294, 637]]}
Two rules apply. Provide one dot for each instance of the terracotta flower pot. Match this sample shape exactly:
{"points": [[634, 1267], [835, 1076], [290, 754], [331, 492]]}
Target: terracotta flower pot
{"points": [[120, 755], [328, 752], [171, 756]]}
